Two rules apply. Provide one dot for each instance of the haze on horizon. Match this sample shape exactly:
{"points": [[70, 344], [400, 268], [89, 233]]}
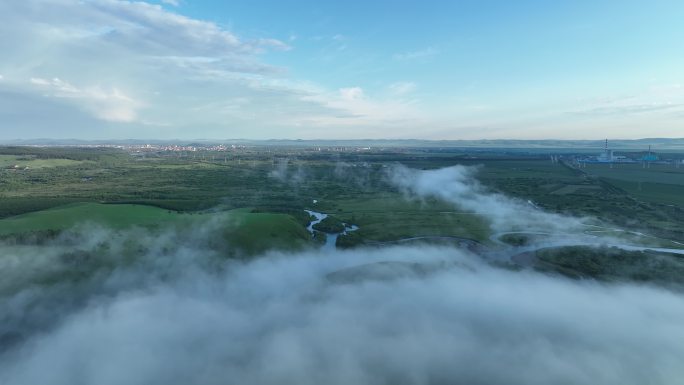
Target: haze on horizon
{"points": [[111, 69]]}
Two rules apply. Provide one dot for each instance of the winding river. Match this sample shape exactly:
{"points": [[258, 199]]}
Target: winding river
{"points": [[331, 238], [510, 252], [522, 254]]}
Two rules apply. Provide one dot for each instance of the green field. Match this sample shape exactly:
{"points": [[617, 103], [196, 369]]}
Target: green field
{"points": [[392, 217], [658, 183], [655, 173], [21, 162], [65, 217], [242, 229]]}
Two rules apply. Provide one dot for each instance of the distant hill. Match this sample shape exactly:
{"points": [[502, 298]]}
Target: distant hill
{"points": [[657, 143]]}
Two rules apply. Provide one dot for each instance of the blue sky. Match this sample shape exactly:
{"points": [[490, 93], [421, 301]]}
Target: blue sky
{"points": [[354, 69]]}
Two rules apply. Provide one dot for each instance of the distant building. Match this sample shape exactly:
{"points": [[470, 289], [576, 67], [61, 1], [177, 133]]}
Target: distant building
{"points": [[650, 157], [607, 156]]}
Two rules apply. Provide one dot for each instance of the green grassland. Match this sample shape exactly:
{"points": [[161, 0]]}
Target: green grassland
{"points": [[21, 162], [391, 216], [246, 231], [255, 233], [655, 173], [158, 189], [65, 217], [659, 183], [558, 187]]}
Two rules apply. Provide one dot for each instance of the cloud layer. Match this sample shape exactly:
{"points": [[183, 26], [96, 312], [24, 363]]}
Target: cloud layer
{"points": [[283, 319], [123, 68], [167, 307]]}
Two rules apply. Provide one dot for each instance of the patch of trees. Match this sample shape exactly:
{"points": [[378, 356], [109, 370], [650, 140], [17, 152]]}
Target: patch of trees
{"points": [[330, 225], [349, 240], [73, 153], [613, 264]]}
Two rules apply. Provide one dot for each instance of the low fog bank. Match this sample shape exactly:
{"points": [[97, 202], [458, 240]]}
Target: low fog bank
{"points": [[283, 174], [458, 185], [43, 283], [402, 315], [96, 306]]}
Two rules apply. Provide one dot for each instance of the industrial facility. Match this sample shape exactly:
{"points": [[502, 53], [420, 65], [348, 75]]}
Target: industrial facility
{"points": [[608, 156]]}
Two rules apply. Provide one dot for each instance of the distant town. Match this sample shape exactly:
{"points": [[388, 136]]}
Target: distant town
{"points": [[579, 153]]}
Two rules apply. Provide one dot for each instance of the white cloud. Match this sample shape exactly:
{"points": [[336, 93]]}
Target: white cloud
{"points": [[414, 55], [352, 113], [135, 63], [663, 98], [110, 105], [402, 315], [351, 93], [402, 88], [128, 62]]}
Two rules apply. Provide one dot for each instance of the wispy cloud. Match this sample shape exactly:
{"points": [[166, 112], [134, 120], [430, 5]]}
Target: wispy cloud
{"points": [[401, 88], [628, 109], [351, 93], [658, 99], [125, 62], [361, 114], [414, 55], [111, 105]]}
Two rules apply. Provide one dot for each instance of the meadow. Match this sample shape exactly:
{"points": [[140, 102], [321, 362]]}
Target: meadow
{"points": [[268, 188], [659, 183]]}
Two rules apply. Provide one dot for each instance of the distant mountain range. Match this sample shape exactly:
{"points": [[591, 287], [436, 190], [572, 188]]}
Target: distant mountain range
{"points": [[657, 143]]}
